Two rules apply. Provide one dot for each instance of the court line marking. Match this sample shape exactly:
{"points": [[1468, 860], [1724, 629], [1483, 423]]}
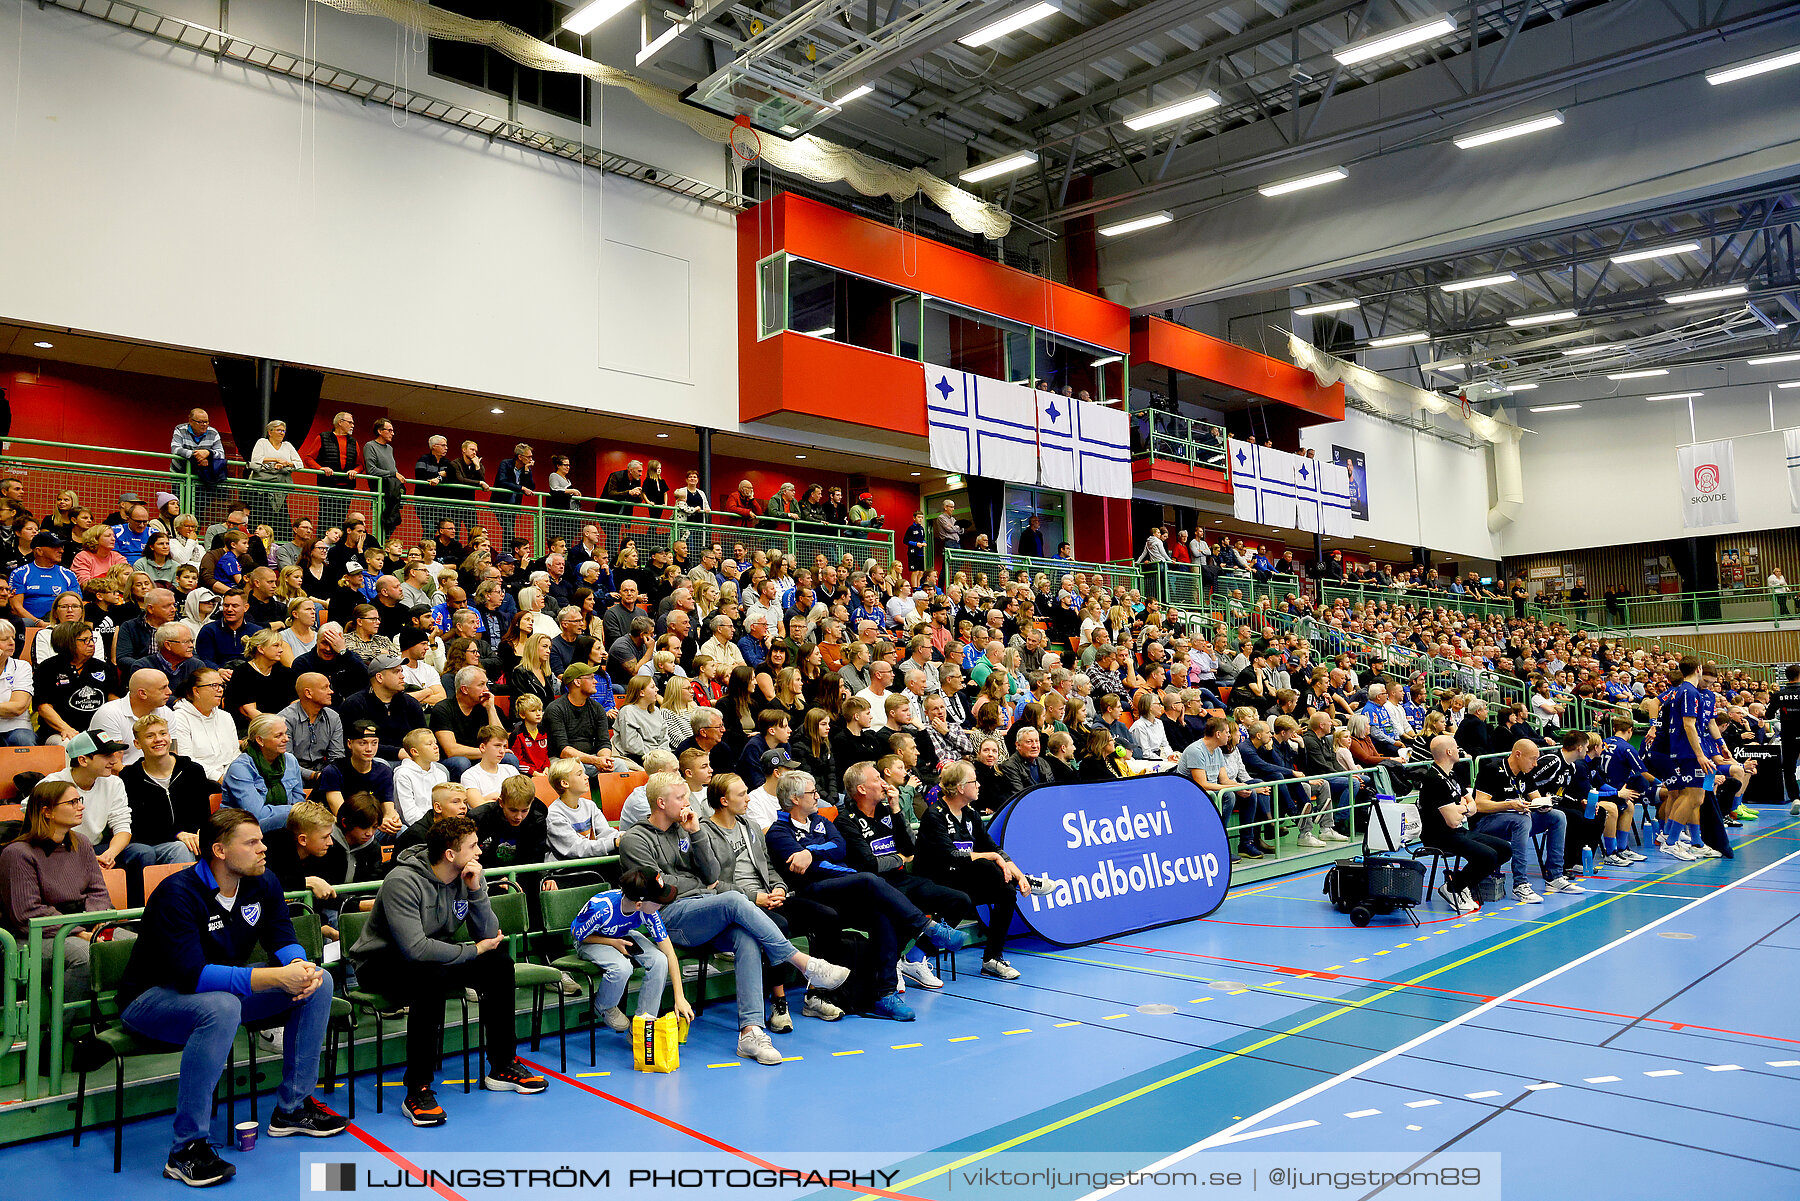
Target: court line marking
{"points": [[1362, 1113], [1276, 1130], [1349, 1007], [412, 1169], [1229, 1134]]}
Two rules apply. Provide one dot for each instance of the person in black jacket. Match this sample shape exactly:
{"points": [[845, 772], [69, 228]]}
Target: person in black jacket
{"points": [[184, 985], [957, 852], [170, 797]]}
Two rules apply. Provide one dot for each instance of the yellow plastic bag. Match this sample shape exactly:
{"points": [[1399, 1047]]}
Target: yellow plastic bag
{"points": [[656, 1044]]}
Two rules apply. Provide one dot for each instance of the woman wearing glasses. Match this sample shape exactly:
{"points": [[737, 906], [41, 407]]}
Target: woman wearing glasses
{"points": [[50, 869]]}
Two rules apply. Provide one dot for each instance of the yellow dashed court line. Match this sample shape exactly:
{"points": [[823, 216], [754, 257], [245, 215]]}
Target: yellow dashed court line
{"points": [[1060, 1025], [1381, 952], [1025, 1031], [732, 1064], [1199, 1000], [907, 1046], [967, 1038], [1112, 1017], [846, 1052], [584, 1075], [1364, 959], [1334, 967], [792, 1058], [1235, 991]]}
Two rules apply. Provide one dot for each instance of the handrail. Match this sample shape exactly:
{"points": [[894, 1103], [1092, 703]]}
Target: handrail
{"points": [[1159, 435], [1274, 822], [1029, 567], [1699, 608]]}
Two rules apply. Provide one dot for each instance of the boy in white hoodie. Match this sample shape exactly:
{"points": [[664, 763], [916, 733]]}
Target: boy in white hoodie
{"points": [[575, 825], [417, 774]]}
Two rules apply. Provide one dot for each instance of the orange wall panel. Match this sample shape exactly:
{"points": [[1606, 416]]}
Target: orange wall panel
{"points": [[1166, 344], [793, 373]]}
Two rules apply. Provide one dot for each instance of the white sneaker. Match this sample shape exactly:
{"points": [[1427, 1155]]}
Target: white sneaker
{"points": [[1702, 851], [825, 976], [818, 1007], [1563, 884], [920, 973], [1677, 850], [1462, 902], [1330, 835], [471, 996], [1525, 895], [1633, 856], [999, 968], [1466, 901], [1309, 841], [1616, 859], [570, 986], [1794, 809], [754, 1044], [272, 1040]]}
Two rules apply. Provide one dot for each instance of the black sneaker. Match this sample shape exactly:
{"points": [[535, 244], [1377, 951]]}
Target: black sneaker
{"points": [[514, 1078], [422, 1107], [311, 1118], [196, 1164]]}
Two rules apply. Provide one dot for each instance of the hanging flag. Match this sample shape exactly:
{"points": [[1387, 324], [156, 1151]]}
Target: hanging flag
{"points": [[1278, 467], [1246, 479], [1056, 442], [1708, 484], [1334, 498], [981, 426], [1102, 448], [1306, 495], [1793, 468]]}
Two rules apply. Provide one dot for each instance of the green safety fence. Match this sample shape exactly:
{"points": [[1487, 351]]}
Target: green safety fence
{"points": [[1171, 437], [1283, 831], [12, 1010], [1716, 607], [1330, 592], [976, 565]]}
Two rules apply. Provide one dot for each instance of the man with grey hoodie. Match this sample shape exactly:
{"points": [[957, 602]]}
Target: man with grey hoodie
{"points": [[408, 952]]}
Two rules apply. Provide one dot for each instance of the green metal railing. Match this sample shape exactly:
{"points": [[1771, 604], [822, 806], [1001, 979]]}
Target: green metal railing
{"points": [[975, 564], [1676, 609], [1282, 831], [1330, 592], [1171, 438]]}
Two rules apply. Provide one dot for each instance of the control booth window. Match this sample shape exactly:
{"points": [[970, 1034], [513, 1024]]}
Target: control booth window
{"points": [[558, 92], [824, 302], [979, 343]]}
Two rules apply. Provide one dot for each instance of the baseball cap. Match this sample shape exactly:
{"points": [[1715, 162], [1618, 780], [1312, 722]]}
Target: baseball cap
{"points": [[778, 759], [419, 611], [88, 743], [575, 671], [506, 560], [44, 538], [363, 729], [383, 663], [411, 638], [130, 496], [353, 567]]}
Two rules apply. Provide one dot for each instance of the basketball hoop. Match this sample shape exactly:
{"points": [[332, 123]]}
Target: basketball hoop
{"points": [[746, 143]]}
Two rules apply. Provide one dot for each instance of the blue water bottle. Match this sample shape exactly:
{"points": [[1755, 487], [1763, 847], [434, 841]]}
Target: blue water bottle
{"points": [[1593, 807]]}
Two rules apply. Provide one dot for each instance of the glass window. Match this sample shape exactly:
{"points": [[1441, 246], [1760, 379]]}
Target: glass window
{"points": [[771, 291], [813, 293], [907, 310], [560, 92], [1079, 370], [979, 343], [823, 302]]}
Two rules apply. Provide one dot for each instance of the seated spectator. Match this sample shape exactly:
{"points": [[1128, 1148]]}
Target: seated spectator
{"points": [[417, 775], [170, 797], [483, 778], [638, 728], [97, 556], [72, 683], [513, 830], [1509, 807], [95, 761], [772, 733], [265, 780], [305, 857], [637, 805], [575, 826], [50, 869], [386, 704], [1149, 740], [37, 584], [358, 770], [263, 684], [1447, 810], [315, 731], [184, 985], [664, 843], [447, 801], [956, 852], [408, 952], [221, 640], [202, 729], [1025, 768], [617, 929], [577, 726], [15, 691]]}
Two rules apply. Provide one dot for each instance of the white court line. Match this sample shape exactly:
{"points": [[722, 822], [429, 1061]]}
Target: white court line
{"points": [[1277, 1130], [1230, 1133]]}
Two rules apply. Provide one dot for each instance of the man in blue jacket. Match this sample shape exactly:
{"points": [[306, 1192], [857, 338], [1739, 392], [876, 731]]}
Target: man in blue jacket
{"points": [[184, 986]]}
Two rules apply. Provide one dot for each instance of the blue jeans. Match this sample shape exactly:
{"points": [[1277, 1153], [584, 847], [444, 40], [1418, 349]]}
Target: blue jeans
{"points": [[1518, 829], [149, 854], [703, 919], [207, 1022], [615, 974], [22, 737]]}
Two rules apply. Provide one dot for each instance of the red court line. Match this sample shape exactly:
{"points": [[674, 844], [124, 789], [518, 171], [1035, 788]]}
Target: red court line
{"points": [[412, 1169], [868, 1190], [1455, 992]]}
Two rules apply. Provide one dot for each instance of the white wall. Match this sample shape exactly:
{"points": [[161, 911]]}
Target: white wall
{"points": [[154, 194], [1423, 491], [1605, 474]]}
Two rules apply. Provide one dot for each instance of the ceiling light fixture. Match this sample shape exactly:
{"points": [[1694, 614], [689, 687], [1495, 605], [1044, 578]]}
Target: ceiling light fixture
{"points": [[1658, 252], [1676, 396], [496, 411], [1396, 39], [1542, 318], [1520, 387], [915, 473], [45, 345], [1578, 351], [1701, 297], [662, 435], [1485, 281], [1765, 361], [1517, 129], [590, 17], [1149, 118], [1647, 373], [1756, 66], [799, 456], [1400, 339], [998, 167], [824, 331], [1328, 306], [855, 93], [1789, 384], [1010, 23], [1109, 359], [1285, 186], [1555, 408], [1133, 224]]}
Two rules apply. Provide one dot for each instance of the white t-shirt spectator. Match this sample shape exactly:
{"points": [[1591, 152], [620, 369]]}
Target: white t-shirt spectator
{"points": [[486, 782], [115, 719], [763, 808], [106, 809], [16, 677], [421, 675], [877, 708], [212, 742], [412, 788], [580, 833]]}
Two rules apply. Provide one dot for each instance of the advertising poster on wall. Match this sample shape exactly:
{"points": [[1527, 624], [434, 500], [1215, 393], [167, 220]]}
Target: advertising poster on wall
{"points": [[1359, 479]]}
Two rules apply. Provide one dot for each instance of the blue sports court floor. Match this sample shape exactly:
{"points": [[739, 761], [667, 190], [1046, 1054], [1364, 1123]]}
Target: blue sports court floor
{"points": [[1644, 1034]]}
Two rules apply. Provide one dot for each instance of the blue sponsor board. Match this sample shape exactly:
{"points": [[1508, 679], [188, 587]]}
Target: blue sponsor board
{"points": [[1121, 855]]}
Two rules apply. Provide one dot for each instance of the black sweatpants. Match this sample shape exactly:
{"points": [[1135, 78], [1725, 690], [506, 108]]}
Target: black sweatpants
{"points": [[871, 904], [821, 926], [945, 904], [984, 883], [423, 987], [1482, 855]]}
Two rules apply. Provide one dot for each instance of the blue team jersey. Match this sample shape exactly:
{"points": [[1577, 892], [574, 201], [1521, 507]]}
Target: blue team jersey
{"points": [[604, 915], [40, 586], [1621, 762], [1679, 703]]}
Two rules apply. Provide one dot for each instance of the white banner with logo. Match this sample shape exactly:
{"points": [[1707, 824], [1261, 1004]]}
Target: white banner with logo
{"points": [[1708, 484], [1793, 468]]}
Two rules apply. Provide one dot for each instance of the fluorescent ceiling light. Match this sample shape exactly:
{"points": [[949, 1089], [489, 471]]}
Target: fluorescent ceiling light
{"points": [[1790, 384], [1756, 66], [1542, 318], [1764, 361], [661, 42], [1676, 396], [1199, 102], [45, 345], [1517, 129], [855, 93], [1647, 373], [998, 167], [1555, 408], [1304, 181], [824, 331], [590, 17], [1010, 23], [662, 435], [1520, 387], [1448, 366], [1579, 351], [1725, 293], [1401, 339], [1111, 358], [1657, 252], [1132, 225], [496, 411], [1485, 281], [1397, 39], [1329, 306]]}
